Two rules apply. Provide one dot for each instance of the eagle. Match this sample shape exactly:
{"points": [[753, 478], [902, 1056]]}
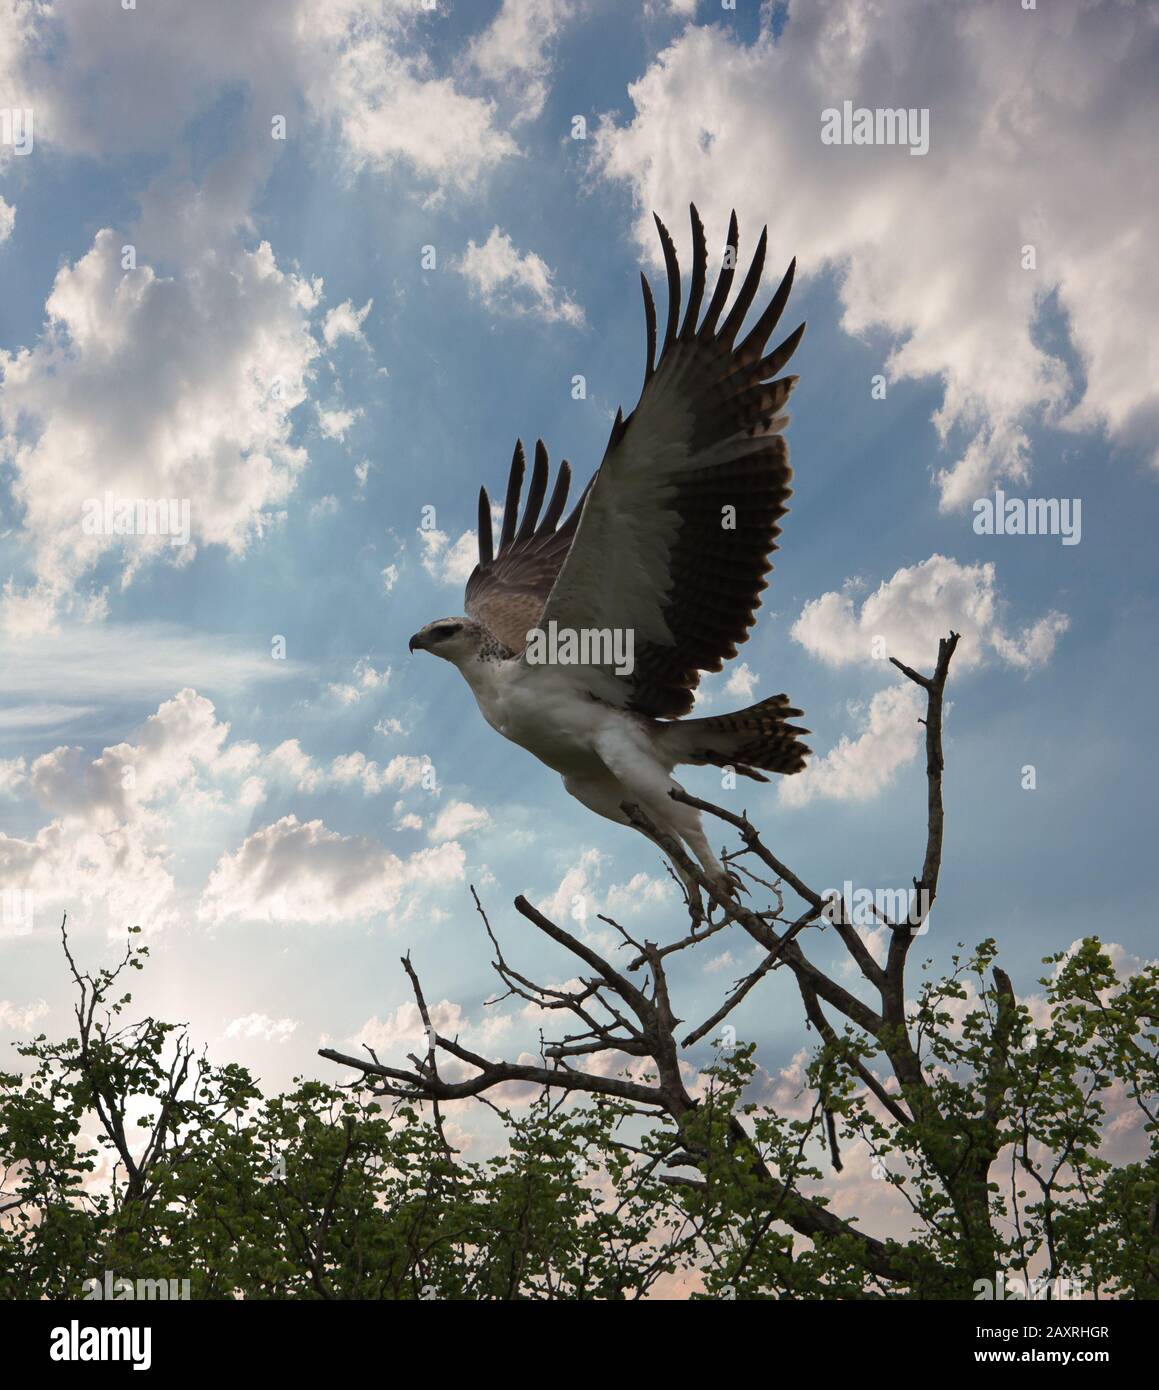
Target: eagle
{"points": [[654, 576]]}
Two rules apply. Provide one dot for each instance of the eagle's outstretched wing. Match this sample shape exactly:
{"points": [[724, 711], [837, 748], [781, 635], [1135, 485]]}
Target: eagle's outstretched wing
{"points": [[506, 591], [674, 538]]}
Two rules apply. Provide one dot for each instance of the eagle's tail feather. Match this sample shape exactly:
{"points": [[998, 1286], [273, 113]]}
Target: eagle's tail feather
{"points": [[757, 737]]}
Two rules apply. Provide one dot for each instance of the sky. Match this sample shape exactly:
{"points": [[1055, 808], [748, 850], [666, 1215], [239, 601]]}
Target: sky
{"points": [[311, 266]]}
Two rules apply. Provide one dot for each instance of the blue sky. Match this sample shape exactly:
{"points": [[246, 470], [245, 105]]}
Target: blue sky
{"points": [[280, 356]]}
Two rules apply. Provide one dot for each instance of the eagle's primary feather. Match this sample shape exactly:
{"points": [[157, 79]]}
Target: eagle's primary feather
{"points": [[669, 542]]}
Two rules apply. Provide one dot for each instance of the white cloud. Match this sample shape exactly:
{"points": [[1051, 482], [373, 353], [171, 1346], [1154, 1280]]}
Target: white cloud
{"points": [[13, 775], [403, 771], [859, 768], [741, 682], [21, 1018], [183, 383], [449, 564], [515, 49], [919, 605], [575, 898], [335, 423], [366, 681], [458, 818], [930, 249], [54, 665], [294, 871], [107, 849], [641, 891], [262, 1027], [513, 283], [7, 220], [390, 107], [290, 762], [145, 387], [404, 1030], [356, 66], [580, 900], [345, 321]]}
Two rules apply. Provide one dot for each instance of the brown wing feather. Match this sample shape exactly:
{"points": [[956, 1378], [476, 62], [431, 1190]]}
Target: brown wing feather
{"points": [[507, 591], [707, 398]]}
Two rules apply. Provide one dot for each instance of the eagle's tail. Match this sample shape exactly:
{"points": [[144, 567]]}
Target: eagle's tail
{"points": [[757, 737]]}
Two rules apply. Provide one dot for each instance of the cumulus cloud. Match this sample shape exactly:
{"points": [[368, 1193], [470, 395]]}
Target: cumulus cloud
{"points": [[931, 249], [507, 281], [458, 818], [907, 614], [7, 220], [580, 899], [295, 871], [856, 769], [575, 897], [404, 772], [449, 564], [289, 762], [145, 387], [181, 382], [741, 681], [345, 321], [335, 423], [356, 67], [106, 849], [641, 891], [13, 774], [392, 109], [21, 1018], [262, 1027], [366, 680], [515, 49], [404, 1030]]}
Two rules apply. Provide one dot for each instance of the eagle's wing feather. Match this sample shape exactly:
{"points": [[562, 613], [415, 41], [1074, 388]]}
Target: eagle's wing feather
{"points": [[506, 591], [656, 549]]}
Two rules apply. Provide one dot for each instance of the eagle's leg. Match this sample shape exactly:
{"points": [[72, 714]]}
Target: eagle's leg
{"points": [[725, 881], [690, 885]]}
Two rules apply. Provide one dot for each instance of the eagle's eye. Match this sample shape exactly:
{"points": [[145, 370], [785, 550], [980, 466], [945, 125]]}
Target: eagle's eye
{"points": [[441, 630]]}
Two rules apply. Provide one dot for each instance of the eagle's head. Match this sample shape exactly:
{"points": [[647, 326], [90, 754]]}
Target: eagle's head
{"points": [[454, 639]]}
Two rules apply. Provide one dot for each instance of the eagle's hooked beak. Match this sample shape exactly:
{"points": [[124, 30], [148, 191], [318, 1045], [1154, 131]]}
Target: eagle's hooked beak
{"points": [[416, 643]]}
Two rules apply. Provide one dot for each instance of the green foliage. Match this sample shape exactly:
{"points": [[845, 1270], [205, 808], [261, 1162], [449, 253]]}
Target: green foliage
{"points": [[329, 1192]]}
